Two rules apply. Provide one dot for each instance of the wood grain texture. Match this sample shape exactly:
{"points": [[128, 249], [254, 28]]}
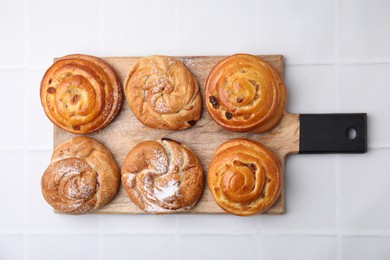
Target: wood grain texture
{"points": [[126, 131]]}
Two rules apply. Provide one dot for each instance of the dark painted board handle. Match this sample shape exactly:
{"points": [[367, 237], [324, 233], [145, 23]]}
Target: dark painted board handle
{"points": [[331, 133]]}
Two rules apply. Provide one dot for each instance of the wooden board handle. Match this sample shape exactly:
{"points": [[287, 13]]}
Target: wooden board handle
{"points": [[333, 133]]}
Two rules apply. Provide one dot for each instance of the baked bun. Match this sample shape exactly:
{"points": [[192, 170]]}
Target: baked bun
{"points": [[81, 94], [82, 176], [162, 176], [244, 177], [163, 93], [244, 93]]}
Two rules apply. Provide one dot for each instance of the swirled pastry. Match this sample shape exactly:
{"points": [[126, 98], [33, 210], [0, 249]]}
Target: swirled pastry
{"points": [[244, 93], [162, 176], [163, 93], [81, 94], [82, 176], [244, 177]]}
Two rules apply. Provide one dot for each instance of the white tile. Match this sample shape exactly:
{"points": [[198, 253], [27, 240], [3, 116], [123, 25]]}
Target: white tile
{"points": [[12, 107], [40, 131], [136, 28], [216, 223], [365, 248], [41, 217], [365, 189], [62, 247], [138, 223], [217, 247], [11, 191], [11, 247], [301, 30], [216, 27], [365, 88], [138, 247], [310, 186], [311, 89], [364, 29], [298, 248], [57, 29], [12, 31]]}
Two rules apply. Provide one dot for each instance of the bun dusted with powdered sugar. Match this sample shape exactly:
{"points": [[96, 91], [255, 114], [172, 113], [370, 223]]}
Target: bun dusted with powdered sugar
{"points": [[82, 176], [162, 176]]}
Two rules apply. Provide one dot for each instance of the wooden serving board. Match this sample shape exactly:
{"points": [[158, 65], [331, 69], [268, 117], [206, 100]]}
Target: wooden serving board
{"points": [[125, 131]]}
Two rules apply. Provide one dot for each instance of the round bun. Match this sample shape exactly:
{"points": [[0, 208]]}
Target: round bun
{"points": [[163, 93], [162, 176], [244, 177], [244, 93], [81, 94], [82, 176]]}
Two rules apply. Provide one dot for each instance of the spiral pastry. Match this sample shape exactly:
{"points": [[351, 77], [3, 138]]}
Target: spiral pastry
{"points": [[244, 93], [244, 177], [162, 93], [162, 177], [81, 94], [82, 177]]}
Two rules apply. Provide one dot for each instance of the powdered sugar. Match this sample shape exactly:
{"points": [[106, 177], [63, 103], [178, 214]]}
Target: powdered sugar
{"points": [[161, 107], [81, 189], [160, 161], [62, 168], [187, 61], [171, 189]]}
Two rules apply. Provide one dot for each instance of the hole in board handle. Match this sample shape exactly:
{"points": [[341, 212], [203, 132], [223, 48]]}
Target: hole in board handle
{"points": [[351, 133]]}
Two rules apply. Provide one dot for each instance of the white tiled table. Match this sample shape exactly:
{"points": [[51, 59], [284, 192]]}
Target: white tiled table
{"points": [[337, 60]]}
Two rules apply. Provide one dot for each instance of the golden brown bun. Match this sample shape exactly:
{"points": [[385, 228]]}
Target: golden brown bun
{"points": [[162, 176], [163, 93], [82, 176], [244, 93], [244, 177], [81, 94]]}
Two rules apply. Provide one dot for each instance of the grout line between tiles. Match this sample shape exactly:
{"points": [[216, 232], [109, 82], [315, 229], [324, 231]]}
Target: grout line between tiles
{"points": [[365, 234], [145, 232], [201, 233], [257, 21], [100, 30], [338, 205], [100, 247], [337, 160], [26, 114], [139, 233], [339, 62], [218, 232], [176, 25], [57, 234], [177, 238], [265, 234]]}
